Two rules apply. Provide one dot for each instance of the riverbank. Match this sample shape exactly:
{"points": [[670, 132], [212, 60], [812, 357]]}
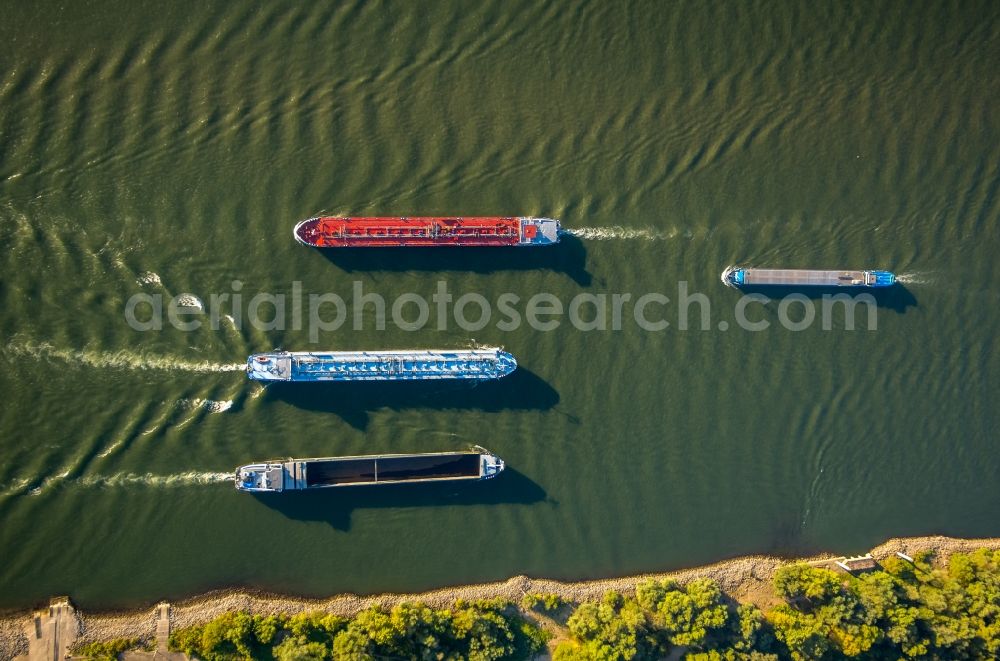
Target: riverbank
{"points": [[747, 579]]}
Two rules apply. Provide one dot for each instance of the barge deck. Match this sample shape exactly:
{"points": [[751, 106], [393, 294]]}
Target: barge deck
{"points": [[299, 474], [755, 277]]}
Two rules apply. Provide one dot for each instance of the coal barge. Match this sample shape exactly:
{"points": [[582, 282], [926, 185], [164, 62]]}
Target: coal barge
{"points": [[327, 472]]}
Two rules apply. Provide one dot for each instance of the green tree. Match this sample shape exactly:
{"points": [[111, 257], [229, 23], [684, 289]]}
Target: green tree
{"points": [[685, 616], [613, 629], [803, 634], [541, 601], [798, 581], [229, 636], [186, 640], [353, 644], [299, 648], [751, 631]]}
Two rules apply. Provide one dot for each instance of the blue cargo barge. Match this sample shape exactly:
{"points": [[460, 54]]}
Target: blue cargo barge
{"points": [[407, 365], [736, 276]]}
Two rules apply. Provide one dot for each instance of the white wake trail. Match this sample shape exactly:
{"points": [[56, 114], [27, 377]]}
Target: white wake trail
{"points": [[126, 360], [149, 479], [916, 278], [210, 405], [149, 278], [613, 232], [189, 478]]}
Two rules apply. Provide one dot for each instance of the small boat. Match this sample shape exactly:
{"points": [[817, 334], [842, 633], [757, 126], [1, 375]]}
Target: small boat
{"points": [[327, 472], [405, 365], [736, 276], [426, 231]]}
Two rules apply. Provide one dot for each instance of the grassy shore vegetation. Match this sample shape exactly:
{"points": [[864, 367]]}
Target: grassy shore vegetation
{"points": [[919, 610], [108, 650], [538, 601]]}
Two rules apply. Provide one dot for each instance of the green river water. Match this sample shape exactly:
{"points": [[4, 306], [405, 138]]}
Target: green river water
{"points": [[168, 149]]}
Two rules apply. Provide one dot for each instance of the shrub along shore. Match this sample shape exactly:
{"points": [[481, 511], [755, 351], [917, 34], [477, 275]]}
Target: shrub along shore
{"points": [[945, 604]]}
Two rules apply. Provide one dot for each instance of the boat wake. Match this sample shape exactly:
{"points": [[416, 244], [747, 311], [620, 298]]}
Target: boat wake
{"points": [[189, 478], [16, 487], [210, 405], [149, 278], [615, 232], [149, 479], [915, 278], [124, 360]]}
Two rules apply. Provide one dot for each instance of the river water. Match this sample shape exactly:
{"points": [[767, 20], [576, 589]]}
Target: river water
{"points": [[163, 150]]}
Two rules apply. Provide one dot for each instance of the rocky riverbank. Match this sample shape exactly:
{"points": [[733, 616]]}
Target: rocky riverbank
{"points": [[746, 579]]}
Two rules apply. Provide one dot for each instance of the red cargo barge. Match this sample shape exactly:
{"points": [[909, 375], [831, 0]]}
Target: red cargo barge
{"points": [[391, 232]]}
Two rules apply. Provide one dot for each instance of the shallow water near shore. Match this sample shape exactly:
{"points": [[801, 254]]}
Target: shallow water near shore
{"points": [[169, 150]]}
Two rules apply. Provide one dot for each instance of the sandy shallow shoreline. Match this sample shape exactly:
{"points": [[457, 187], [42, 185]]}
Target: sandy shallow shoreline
{"points": [[745, 578]]}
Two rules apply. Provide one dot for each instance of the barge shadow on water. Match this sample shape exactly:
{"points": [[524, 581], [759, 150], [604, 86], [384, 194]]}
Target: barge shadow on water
{"points": [[336, 506], [896, 298], [353, 402], [569, 256]]}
